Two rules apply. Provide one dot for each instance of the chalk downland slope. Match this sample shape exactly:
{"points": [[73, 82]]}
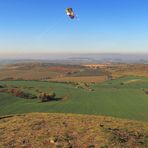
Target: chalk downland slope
{"points": [[68, 130]]}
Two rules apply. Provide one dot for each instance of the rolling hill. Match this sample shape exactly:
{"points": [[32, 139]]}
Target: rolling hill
{"points": [[124, 98]]}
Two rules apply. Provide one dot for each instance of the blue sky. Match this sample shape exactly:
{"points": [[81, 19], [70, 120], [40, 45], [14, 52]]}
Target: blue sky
{"points": [[104, 26]]}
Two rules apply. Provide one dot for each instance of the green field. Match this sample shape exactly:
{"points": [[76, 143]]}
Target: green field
{"points": [[123, 98]]}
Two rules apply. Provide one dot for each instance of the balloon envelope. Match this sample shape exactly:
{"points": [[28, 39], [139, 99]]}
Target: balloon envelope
{"points": [[70, 13]]}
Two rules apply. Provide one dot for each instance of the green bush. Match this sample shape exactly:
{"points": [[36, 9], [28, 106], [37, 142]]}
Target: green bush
{"points": [[45, 97]]}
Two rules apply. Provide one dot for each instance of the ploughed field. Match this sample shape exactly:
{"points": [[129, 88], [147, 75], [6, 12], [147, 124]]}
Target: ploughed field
{"points": [[51, 72], [125, 97]]}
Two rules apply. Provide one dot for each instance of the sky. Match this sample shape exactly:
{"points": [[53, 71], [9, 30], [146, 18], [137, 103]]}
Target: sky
{"points": [[101, 26]]}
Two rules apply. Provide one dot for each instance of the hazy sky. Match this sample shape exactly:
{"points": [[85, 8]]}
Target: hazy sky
{"points": [[38, 26]]}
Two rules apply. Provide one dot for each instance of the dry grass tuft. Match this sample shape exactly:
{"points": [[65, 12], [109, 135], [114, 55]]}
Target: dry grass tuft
{"points": [[67, 130]]}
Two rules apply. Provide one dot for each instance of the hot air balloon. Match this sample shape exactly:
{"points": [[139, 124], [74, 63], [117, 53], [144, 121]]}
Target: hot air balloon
{"points": [[70, 13]]}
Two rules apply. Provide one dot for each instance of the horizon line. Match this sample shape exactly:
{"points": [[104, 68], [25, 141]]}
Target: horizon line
{"points": [[66, 53]]}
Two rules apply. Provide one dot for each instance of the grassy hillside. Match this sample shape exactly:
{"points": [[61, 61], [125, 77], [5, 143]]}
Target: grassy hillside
{"points": [[67, 130], [124, 98]]}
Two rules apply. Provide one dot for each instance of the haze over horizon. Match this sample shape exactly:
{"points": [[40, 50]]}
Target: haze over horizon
{"points": [[33, 27], [83, 57]]}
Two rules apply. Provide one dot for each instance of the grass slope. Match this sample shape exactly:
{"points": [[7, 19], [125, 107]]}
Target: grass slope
{"points": [[123, 98], [67, 130]]}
